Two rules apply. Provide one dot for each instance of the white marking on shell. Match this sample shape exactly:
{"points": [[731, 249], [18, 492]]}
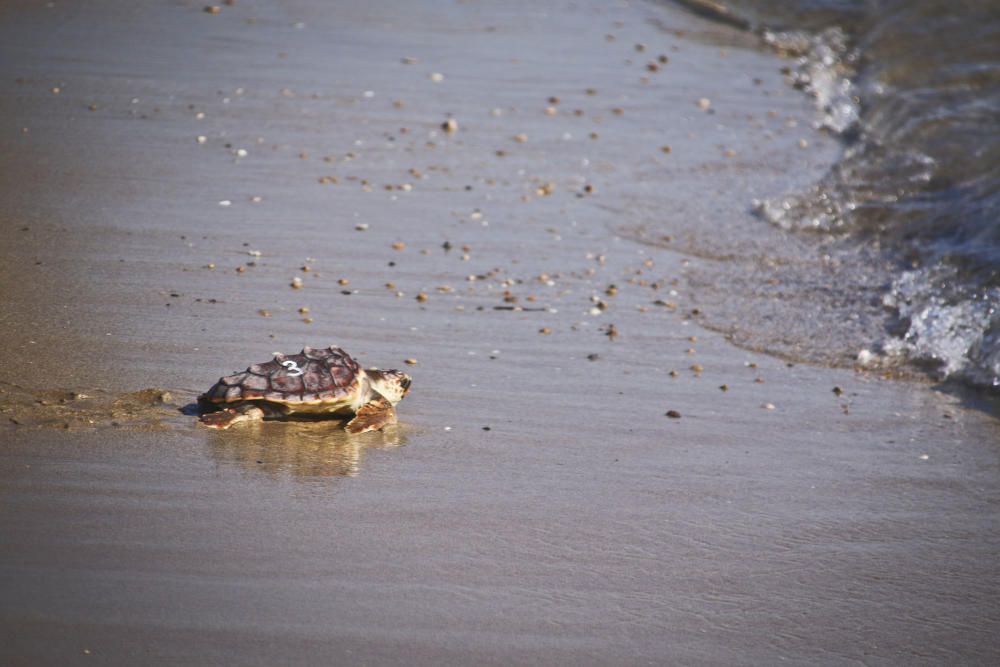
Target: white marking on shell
{"points": [[293, 368]]}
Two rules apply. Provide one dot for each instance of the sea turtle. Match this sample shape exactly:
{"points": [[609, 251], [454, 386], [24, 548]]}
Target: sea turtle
{"points": [[315, 381]]}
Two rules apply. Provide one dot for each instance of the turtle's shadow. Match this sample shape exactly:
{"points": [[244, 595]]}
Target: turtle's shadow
{"points": [[191, 410]]}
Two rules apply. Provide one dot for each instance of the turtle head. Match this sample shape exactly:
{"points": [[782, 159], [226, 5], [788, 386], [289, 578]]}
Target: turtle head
{"points": [[394, 385]]}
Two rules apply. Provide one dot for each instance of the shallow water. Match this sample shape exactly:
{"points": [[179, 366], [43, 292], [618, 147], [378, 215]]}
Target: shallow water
{"points": [[536, 505], [910, 213]]}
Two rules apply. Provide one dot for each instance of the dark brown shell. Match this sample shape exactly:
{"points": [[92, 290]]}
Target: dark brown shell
{"points": [[315, 377]]}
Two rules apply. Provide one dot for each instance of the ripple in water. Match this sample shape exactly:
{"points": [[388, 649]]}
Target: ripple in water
{"points": [[913, 88]]}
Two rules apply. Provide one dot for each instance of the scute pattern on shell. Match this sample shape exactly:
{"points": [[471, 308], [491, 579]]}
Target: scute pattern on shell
{"points": [[318, 376]]}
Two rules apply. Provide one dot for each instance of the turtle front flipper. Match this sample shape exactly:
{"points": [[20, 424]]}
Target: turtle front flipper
{"points": [[374, 415], [241, 412]]}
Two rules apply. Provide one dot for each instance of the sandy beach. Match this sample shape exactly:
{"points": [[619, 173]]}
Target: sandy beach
{"points": [[186, 192]]}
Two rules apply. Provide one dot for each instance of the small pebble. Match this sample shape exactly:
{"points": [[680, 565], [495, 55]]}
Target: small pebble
{"points": [[410, 362], [768, 406], [296, 283], [704, 103], [673, 414], [545, 331]]}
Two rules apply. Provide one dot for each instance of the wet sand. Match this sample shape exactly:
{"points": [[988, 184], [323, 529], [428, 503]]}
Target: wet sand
{"points": [[535, 505]]}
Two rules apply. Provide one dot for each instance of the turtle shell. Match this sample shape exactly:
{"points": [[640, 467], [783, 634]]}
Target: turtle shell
{"points": [[312, 377]]}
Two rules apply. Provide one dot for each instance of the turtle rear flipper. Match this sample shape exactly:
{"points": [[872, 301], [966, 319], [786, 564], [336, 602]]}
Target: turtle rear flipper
{"points": [[374, 415], [241, 412]]}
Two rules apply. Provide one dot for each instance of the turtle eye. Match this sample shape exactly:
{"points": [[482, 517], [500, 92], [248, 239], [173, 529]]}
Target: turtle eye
{"points": [[405, 383]]}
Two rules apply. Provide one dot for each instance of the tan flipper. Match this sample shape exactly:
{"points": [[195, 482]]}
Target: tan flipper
{"points": [[242, 412], [372, 416]]}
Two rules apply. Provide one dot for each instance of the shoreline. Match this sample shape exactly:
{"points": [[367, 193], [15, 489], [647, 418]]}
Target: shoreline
{"points": [[536, 505]]}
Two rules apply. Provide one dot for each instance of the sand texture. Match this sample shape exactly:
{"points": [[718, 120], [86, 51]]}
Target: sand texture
{"points": [[183, 193]]}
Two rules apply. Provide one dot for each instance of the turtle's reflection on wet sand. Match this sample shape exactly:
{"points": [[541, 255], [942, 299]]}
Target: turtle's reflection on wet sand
{"points": [[301, 449]]}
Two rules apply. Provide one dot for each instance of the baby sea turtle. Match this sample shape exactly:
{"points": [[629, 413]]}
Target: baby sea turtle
{"points": [[317, 382]]}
